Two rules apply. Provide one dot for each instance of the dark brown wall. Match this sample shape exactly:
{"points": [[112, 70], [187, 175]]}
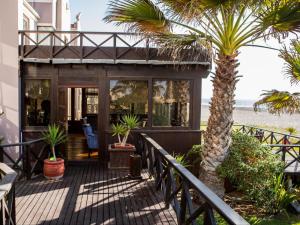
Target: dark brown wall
{"points": [[96, 75]]}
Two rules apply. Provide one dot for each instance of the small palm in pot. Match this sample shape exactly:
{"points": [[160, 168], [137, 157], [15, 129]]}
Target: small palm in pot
{"points": [[122, 130], [54, 167]]}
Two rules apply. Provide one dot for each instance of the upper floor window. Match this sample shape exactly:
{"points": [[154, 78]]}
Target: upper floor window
{"points": [[37, 102], [128, 97], [171, 103]]}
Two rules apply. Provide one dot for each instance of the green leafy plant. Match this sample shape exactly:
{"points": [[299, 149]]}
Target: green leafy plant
{"points": [[54, 136], [118, 130], [194, 158], [128, 122], [251, 167], [291, 130], [181, 159], [282, 196]]}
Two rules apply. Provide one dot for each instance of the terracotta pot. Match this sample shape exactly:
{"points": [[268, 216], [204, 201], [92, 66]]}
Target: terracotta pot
{"points": [[119, 146], [54, 170]]}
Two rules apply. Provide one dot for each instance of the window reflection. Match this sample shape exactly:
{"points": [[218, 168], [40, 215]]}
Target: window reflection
{"points": [[37, 102], [128, 97], [171, 103], [92, 100]]}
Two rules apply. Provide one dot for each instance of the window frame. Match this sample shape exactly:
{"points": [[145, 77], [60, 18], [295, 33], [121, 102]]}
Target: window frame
{"points": [[148, 126], [23, 118], [90, 94], [150, 82], [191, 81]]}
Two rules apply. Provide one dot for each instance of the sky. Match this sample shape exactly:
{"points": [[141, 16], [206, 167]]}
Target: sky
{"points": [[261, 69]]}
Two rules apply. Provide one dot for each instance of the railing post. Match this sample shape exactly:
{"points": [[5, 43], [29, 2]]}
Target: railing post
{"points": [[143, 151], [158, 170], [272, 137], [27, 162], [147, 50], [168, 187], [285, 140], [182, 209], [11, 204], [51, 45], [2, 216], [209, 218], [1, 154], [22, 45], [283, 153], [81, 45], [114, 47]]}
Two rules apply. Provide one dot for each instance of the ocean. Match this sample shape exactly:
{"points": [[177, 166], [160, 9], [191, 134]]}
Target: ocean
{"points": [[239, 103]]}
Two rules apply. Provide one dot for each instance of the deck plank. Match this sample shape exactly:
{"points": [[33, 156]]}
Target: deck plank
{"points": [[89, 195]]}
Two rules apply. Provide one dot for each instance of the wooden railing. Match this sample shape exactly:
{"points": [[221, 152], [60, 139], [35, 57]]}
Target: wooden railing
{"points": [[177, 184], [268, 136], [96, 47], [7, 195], [30, 156], [290, 154], [285, 145]]}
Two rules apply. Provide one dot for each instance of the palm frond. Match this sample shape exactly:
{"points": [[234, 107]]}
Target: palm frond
{"points": [[183, 10], [278, 18], [191, 47], [142, 16], [292, 61], [277, 102]]}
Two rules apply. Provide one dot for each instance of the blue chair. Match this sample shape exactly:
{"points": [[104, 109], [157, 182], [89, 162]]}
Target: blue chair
{"points": [[91, 137]]}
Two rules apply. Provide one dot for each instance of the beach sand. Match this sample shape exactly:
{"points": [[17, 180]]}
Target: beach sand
{"points": [[247, 116]]}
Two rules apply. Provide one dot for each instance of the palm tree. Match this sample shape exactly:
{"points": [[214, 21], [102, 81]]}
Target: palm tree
{"points": [[226, 25], [283, 101]]}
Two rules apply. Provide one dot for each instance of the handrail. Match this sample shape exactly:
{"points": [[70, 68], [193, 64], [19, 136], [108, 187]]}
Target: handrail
{"points": [[22, 143], [284, 145], [28, 159], [289, 150], [163, 166], [275, 132], [7, 194], [269, 136], [98, 47], [278, 140], [76, 32]]}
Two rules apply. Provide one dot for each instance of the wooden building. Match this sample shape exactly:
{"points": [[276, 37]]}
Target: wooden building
{"points": [[102, 76]]}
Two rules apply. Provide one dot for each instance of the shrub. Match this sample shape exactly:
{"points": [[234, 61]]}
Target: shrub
{"points": [[252, 167], [181, 160], [193, 157]]}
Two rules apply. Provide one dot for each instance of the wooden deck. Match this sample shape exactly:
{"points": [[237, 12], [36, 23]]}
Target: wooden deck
{"points": [[91, 195]]}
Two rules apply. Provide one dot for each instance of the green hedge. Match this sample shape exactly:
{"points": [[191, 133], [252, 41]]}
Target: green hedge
{"points": [[257, 172]]}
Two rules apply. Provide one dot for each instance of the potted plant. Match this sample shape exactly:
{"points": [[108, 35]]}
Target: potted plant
{"points": [[119, 153], [54, 167]]}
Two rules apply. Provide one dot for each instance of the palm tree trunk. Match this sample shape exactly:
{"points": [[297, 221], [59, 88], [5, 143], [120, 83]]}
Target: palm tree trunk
{"points": [[217, 137]]}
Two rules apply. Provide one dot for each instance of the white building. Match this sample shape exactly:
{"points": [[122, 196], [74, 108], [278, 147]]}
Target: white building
{"points": [[45, 15], [23, 15]]}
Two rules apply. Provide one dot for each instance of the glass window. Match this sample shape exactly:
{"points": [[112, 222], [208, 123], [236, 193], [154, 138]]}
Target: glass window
{"points": [[37, 102], [171, 103], [91, 100], [128, 97]]}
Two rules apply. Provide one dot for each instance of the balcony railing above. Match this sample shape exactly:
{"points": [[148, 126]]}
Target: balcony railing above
{"points": [[95, 47]]}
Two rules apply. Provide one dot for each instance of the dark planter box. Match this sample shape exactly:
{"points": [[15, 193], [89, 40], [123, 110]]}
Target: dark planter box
{"points": [[119, 157]]}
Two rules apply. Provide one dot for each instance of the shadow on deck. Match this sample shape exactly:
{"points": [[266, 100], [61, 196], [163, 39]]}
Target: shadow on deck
{"points": [[91, 195]]}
